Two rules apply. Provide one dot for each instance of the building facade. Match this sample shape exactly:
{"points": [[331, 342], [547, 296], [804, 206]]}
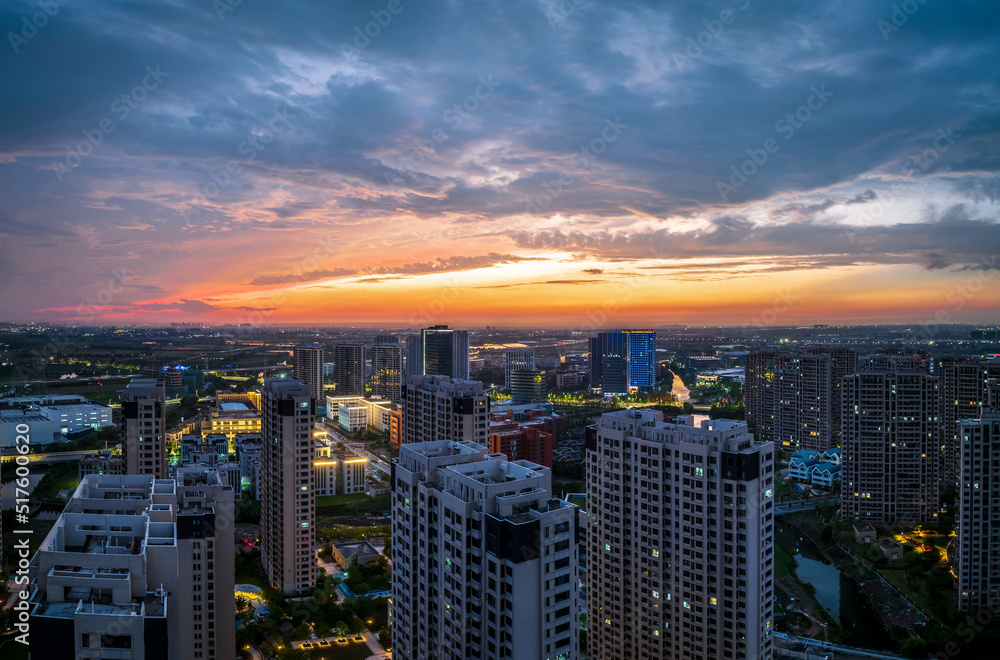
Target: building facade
{"points": [[350, 359], [517, 360], [138, 568], [444, 352], [144, 427], [891, 447], [387, 369], [680, 541], [337, 473], [964, 391], [623, 361], [485, 563], [308, 368], [794, 397], [439, 408], [288, 504], [978, 499]]}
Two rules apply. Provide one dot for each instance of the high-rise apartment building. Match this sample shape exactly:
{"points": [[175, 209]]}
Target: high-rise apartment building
{"points": [[978, 500], [623, 361], [308, 367], [964, 391], [414, 355], [350, 359], [138, 568], [891, 444], [288, 504], [144, 427], [485, 562], [387, 368], [680, 542], [444, 352], [794, 397], [517, 360], [439, 408]]}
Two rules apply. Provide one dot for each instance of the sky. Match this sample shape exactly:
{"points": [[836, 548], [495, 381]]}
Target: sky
{"points": [[581, 163]]}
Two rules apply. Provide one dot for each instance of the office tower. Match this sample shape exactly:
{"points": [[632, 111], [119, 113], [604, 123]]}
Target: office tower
{"points": [[794, 397], [308, 367], [891, 445], [350, 359], [439, 408], [138, 567], [288, 505], [608, 366], [623, 361], [445, 352], [517, 360], [642, 360], [414, 356], [963, 394], [144, 425], [485, 561], [387, 368], [977, 563], [527, 387], [680, 542]]}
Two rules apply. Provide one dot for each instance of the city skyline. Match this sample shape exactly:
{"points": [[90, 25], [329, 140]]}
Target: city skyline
{"points": [[501, 163]]}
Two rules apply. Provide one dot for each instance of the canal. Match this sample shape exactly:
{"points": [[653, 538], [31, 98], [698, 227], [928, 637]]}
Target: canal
{"points": [[837, 593]]}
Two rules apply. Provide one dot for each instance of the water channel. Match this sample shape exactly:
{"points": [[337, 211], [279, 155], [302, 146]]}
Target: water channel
{"points": [[837, 593]]}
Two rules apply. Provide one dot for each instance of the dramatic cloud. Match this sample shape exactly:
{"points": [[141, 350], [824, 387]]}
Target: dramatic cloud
{"points": [[222, 156]]}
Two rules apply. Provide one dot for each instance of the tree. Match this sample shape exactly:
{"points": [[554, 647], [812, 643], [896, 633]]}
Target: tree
{"points": [[914, 647]]}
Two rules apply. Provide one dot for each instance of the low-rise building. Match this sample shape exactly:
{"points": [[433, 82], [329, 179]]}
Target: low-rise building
{"points": [[104, 463], [890, 549], [14, 423], [363, 551], [66, 417], [864, 532], [337, 472], [352, 417]]}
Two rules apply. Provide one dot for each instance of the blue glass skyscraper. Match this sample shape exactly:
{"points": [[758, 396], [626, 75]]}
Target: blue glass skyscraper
{"points": [[622, 361]]}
